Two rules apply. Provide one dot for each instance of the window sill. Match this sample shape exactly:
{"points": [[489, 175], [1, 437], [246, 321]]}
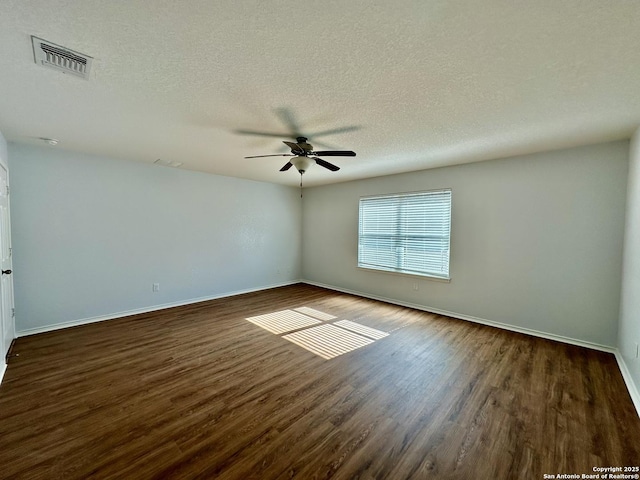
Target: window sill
{"points": [[407, 274]]}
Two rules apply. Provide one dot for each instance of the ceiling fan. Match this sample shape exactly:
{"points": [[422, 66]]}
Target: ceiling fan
{"points": [[304, 155], [287, 117]]}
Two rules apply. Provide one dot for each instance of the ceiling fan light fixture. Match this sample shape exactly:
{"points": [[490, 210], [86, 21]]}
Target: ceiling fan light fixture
{"points": [[302, 164]]}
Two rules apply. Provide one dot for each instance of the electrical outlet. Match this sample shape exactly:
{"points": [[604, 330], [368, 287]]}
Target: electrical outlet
{"points": [[415, 286], [155, 287]]}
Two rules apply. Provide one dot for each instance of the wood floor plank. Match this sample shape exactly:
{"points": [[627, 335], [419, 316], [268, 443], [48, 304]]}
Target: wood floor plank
{"points": [[201, 392]]}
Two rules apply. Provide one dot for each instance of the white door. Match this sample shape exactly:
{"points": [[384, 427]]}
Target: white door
{"points": [[6, 280]]}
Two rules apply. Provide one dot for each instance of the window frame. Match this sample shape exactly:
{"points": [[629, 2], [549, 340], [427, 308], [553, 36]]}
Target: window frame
{"points": [[399, 268]]}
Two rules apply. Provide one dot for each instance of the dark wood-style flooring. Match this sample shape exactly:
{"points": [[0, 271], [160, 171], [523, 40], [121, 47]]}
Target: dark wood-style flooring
{"points": [[200, 392]]}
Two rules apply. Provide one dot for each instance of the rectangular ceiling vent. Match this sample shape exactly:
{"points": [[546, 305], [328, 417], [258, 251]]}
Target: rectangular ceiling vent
{"points": [[60, 58]]}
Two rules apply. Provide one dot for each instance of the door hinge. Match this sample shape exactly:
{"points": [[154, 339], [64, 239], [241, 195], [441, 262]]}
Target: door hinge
{"points": [[10, 251], [13, 312], [7, 189]]}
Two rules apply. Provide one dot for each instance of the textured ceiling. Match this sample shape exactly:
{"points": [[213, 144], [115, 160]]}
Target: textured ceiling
{"points": [[408, 85]]}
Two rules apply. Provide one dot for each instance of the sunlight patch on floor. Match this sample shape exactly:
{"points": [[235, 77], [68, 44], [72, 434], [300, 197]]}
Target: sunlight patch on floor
{"points": [[328, 341], [361, 329], [311, 329], [315, 313], [284, 321]]}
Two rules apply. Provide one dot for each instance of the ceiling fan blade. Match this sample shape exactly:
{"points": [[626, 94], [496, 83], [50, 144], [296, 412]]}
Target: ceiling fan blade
{"points": [[335, 153], [287, 117], [286, 167], [336, 131], [325, 164], [261, 134], [276, 155], [323, 144]]}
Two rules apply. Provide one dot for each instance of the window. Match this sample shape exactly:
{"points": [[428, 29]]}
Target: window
{"points": [[406, 233]]}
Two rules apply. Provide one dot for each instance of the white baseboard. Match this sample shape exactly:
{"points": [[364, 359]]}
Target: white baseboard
{"points": [[3, 368], [469, 318], [137, 311], [628, 380]]}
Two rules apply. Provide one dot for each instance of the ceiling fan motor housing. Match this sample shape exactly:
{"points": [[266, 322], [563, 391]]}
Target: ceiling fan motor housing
{"points": [[301, 163]]}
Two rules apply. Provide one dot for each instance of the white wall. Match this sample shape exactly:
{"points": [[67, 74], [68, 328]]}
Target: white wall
{"points": [[629, 333], [91, 235], [536, 241]]}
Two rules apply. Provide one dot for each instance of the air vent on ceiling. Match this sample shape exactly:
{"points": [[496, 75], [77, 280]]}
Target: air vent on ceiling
{"points": [[60, 58]]}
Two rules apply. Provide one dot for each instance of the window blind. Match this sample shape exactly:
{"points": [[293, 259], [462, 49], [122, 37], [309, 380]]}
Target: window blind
{"points": [[408, 233]]}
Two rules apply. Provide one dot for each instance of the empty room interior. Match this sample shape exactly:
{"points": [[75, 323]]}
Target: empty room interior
{"points": [[299, 240]]}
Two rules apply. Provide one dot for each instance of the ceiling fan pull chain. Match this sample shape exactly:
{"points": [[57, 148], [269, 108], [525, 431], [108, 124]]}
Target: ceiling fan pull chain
{"points": [[301, 185]]}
